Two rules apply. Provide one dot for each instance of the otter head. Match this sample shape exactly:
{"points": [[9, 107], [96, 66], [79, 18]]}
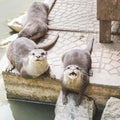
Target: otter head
{"points": [[72, 72], [37, 55], [72, 78]]}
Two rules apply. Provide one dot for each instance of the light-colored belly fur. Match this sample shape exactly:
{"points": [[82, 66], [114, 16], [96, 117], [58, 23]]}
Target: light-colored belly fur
{"points": [[72, 84], [38, 68]]}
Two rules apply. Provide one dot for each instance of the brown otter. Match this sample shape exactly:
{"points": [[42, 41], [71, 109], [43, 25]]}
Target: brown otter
{"points": [[27, 57], [75, 78], [35, 25]]}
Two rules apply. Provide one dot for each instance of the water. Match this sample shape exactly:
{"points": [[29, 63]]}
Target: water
{"points": [[8, 11], [14, 110], [28, 111]]}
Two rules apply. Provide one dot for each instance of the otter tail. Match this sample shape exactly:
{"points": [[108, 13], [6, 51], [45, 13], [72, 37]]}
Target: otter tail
{"points": [[48, 43], [90, 45]]}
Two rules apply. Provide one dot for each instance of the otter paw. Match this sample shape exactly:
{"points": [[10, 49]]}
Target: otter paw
{"points": [[65, 101], [15, 72], [78, 100], [90, 72], [9, 68], [77, 103], [52, 75]]}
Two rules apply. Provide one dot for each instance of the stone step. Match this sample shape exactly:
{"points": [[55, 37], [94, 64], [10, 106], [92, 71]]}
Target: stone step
{"points": [[85, 111]]}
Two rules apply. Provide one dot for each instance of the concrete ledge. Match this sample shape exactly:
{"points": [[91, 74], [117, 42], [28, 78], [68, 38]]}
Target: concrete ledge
{"points": [[101, 93], [47, 90], [40, 89]]}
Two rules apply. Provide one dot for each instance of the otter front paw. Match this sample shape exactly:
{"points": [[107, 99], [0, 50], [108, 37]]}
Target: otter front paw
{"points": [[52, 75], [9, 68], [65, 101], [90, 72], [78, 100]]}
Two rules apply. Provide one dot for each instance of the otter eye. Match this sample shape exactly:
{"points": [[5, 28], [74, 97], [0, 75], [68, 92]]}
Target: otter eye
{"points": [[43, 53], [77, 68], [68, 67], [33, 53]]}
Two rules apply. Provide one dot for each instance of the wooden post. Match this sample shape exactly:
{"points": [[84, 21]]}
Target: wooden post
{"points": [[105, 31], [107, 11]]}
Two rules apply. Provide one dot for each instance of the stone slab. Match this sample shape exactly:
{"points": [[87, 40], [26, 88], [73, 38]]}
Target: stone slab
{"points": [[105, 57], [112, 109], [8, 40], [45, 89], [74, 16], [39, 89], [85, 111]]}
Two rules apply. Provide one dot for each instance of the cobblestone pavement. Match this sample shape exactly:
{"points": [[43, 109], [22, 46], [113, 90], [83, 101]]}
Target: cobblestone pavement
{"points": [[105, 57], [74, 15], [76, 23]]}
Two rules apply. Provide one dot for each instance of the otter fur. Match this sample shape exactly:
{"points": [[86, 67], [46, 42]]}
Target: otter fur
{"points": [[75, 78], [35, 25], [27, 57]]}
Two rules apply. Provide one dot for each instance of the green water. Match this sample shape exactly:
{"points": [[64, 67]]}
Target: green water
{"points": [[28, 111], [10, 9]]}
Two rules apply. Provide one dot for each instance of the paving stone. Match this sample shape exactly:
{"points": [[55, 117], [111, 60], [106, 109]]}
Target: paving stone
{"points": [[107, 55], [108, 67], [112, 109], [85, 111], [113, 71], [74, 16], [115, 63], [106, 60], [102, 55]]}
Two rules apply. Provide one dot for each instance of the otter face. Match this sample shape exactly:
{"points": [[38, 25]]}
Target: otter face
{"points": [[72, 78], [37, 55], [72, 72]]}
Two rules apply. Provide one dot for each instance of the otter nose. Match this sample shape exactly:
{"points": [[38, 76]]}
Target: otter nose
{"points": [[37, 56]]}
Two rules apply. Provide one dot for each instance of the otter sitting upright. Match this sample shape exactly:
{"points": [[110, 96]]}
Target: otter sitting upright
{"points": [[27, 57], [35, 25], [75, 78]]}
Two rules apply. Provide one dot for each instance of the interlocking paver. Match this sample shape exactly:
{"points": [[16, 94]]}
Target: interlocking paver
{"points": [[78, 21], [105, 57], [78, 15]]}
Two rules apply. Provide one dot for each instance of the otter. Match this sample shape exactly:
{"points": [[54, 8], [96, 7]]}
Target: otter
{"points": [[35, 25], [75, 78], [28, 58]]}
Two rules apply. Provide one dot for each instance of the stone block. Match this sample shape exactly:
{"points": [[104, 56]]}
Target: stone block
{"points": [[112, 109], [85, 111]]}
